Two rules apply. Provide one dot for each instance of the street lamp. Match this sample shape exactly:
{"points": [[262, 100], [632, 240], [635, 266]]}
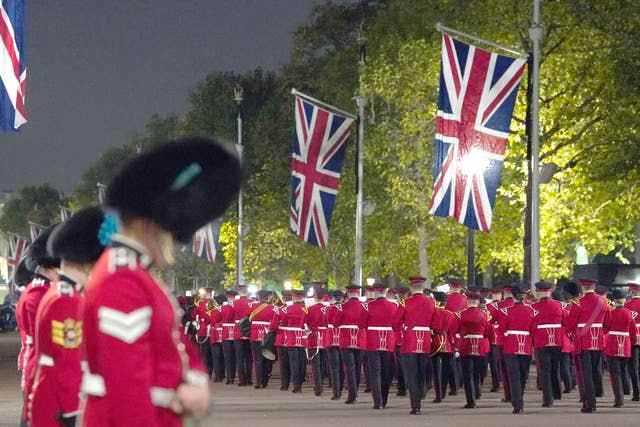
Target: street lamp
{"points": [[238, 97]]}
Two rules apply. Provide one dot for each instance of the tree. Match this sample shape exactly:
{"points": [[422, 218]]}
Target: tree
{"points": [[39, 204]]}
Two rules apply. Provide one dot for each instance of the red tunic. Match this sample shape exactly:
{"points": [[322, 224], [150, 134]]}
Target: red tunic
{"points": [[547, 324], [618, 325], [633, 304], [136, 358], [202, 320], [215, 329], [473, 330], [416, 319], [32, 298], [445, 324], [379, 322], [291, 321], [456, 302], [242, 307], [494, 319], [23, 334], [585, 322], [261, 318], [351, 323], [227, 322], [56, 386], [515, 328], [317, 322], [502, 307], [332, 337]]}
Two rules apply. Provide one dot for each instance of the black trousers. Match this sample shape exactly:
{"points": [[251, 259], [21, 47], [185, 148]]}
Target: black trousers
{"points": [[352, 362], [549, 362], [633, 366], [471, 370], [414, 366], [380, 371], [207, 357], [590, 362], [285, 367], [335, 370], [261, 366], [243, 360], [398, 372], [566, 372], [493, 365], [445, 374], [625, 378], [317, 367], [616, 371], [217, 357], [503, 370], [297, 363], [518, 373], [597, 377], [229, 360]]}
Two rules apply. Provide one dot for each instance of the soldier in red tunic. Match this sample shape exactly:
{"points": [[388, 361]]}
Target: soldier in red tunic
{"points": [[515, 328], [585, 322], [379, 322], [140, 372], [54, 399], [398, 296], [228, 325], [505, 303], [242, 307], [415, 318], [261, 317], [495, 295], [547, 339], [22, 278], [456, 300], [633, 366], [619, 325], [45, 270], [317, 324], [203, 322], [291, 320], [443, 345], [332, 343], [474, 345], [351, 323]]}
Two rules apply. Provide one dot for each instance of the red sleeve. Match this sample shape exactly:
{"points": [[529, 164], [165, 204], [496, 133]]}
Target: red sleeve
{"points": [[126, 352], [65, 326]]}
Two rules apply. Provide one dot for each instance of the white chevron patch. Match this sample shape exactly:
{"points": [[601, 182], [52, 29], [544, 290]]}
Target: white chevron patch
{"points": [[127, 327]]}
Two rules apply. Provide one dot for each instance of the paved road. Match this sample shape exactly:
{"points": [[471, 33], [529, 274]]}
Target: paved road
{"points": [[234, 406]]}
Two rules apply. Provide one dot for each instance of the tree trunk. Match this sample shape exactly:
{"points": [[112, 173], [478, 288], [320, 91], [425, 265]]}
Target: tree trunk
{"points": [[423, 258], [487, 277]]}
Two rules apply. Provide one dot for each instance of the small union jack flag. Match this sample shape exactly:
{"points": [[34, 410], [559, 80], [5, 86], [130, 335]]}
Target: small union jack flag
{"points": [[478, 90], [205, 240], [13, 68], [35, 230], [317, 155], [17, 247]]}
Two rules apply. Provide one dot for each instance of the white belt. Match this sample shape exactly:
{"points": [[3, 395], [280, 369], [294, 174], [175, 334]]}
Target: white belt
{"points": [[322, 328], [516, 333], [45, 360], [637, 325], [161, 397], [380, 328], [93, 384], [593, 325], [473, 336], [260, 322], [228, 325], [618, 333], [457, 335], [28, 339], [421, 329], [348, 327], [289, 328], [330, 326], [550, 326]]}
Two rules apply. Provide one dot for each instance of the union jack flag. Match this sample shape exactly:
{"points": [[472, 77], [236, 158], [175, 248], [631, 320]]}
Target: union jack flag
{"points": [[35, 230], [17, 246], [13, 65], [478, 90], [317, 154], [204, 241]]}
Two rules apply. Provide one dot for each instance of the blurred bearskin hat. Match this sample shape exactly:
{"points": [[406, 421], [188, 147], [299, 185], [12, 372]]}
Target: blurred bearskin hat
{"points": [[76, 239], [37, 255]]}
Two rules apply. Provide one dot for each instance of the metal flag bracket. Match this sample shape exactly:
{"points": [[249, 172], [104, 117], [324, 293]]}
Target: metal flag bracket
{"points": [[512, 52]]}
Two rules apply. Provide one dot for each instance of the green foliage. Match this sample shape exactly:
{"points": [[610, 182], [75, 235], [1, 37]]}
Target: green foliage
{"points": [[38, 204]]}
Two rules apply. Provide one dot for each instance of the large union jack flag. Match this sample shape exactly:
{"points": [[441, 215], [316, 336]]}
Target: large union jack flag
{"points": [[478, 90], [204, 241], [17, 247], [317, 154], [13, 65]]}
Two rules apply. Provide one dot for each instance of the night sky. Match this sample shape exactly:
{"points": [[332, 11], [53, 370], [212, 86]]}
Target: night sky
{"points": [[99, 69]]}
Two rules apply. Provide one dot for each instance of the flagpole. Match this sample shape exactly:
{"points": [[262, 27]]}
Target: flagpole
{"points": [[361, 103], [471, 258], [238, 97], [535, 33]]}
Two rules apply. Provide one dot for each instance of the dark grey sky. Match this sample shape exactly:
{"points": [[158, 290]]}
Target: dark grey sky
{"points": [[99, 69]]}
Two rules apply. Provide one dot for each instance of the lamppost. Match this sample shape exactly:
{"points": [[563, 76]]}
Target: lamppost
{"points": [[238, 97]]}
